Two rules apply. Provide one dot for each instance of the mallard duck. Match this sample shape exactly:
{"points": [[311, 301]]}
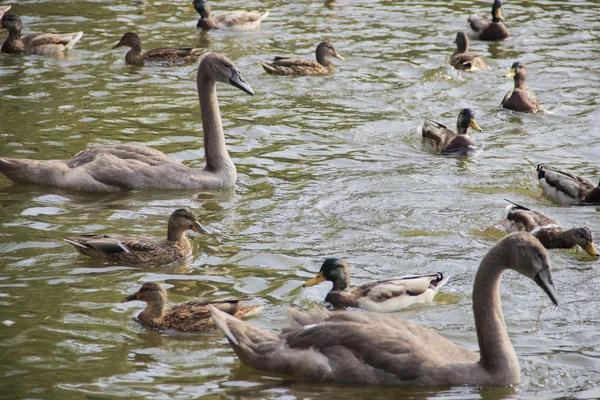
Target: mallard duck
{"points": [[438, 139], [564, 187], [106, 169], [387, 295], [461, 59], [232, 20], [300, 66], [374, 348], [190, 316], [548, 230], [481, 28], [35, 43], [138, 249], [521, 98], [165, 55]]}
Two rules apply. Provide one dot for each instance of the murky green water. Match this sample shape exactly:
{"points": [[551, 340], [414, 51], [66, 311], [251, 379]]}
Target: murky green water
{"points": [[328, 166]]}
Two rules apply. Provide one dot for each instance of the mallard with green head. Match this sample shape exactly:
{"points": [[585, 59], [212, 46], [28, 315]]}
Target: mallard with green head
{"points": [[300, 66], [548, 230], [483, 29], [139, 249], [166, 55], [438, 139], [521, 98], [461, 59], [387, 295], [566, 188], [232, 20], [190, 317], [34, 43]]}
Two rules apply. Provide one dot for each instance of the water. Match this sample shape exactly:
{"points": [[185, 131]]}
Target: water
{"points": [[327, 166]]}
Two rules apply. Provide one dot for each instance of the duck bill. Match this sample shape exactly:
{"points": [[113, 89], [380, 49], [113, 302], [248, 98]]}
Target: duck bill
{"points": [[130, 298], [544, 280], [512, 72], [200, 229], [498, 14], [189, 9], [473, 124], [591, 249], [338, 56], [239, 82], [117, 45], [316, 280]]}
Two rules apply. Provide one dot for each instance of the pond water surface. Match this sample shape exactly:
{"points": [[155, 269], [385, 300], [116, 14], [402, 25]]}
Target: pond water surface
{"points": [[328, 166]]}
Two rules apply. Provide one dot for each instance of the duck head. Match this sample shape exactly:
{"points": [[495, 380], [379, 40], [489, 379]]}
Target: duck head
{"points": [[129, 39], [466, 120], [11, 22], [150, 292], [333, 270], [497, 11]]}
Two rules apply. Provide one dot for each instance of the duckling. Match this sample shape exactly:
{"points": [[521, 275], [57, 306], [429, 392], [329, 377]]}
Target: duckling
{"points": [[190, 317], [548, 230], [481, 28], [35, 43], [300, 66], [438, 139], [138, 249], [461, 59], [232, 20], [387, 295], [165, 55], [521, 98], [565, 188]]}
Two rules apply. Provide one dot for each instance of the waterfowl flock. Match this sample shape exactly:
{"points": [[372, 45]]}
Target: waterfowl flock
{"points": [[355, 338]]}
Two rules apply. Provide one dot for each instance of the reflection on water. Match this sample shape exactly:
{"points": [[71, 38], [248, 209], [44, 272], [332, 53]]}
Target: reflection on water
{"points": [[327, 166]]}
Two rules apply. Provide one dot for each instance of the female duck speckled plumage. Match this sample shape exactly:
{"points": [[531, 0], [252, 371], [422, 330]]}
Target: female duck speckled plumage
{"points": [[548, 230], [114, 168], [232, 20], [165, 55], [483, 29], [189, 317], [521, 98], [299, 66], [438, 139], [387, 295], [138, 249], [34, 43], [565, 188], [461, 59], [374, 348]]}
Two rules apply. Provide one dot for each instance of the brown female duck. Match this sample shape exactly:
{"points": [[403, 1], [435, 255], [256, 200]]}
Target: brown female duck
{"points": [[190, 317], [139, 249], [35, 43], [387, 295], [232, 20], [565, 188], [481, 28], [300, 66], [521, 98], [548, 230], [165, 55], [461, 59], [438, 139], [374, 348]]}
